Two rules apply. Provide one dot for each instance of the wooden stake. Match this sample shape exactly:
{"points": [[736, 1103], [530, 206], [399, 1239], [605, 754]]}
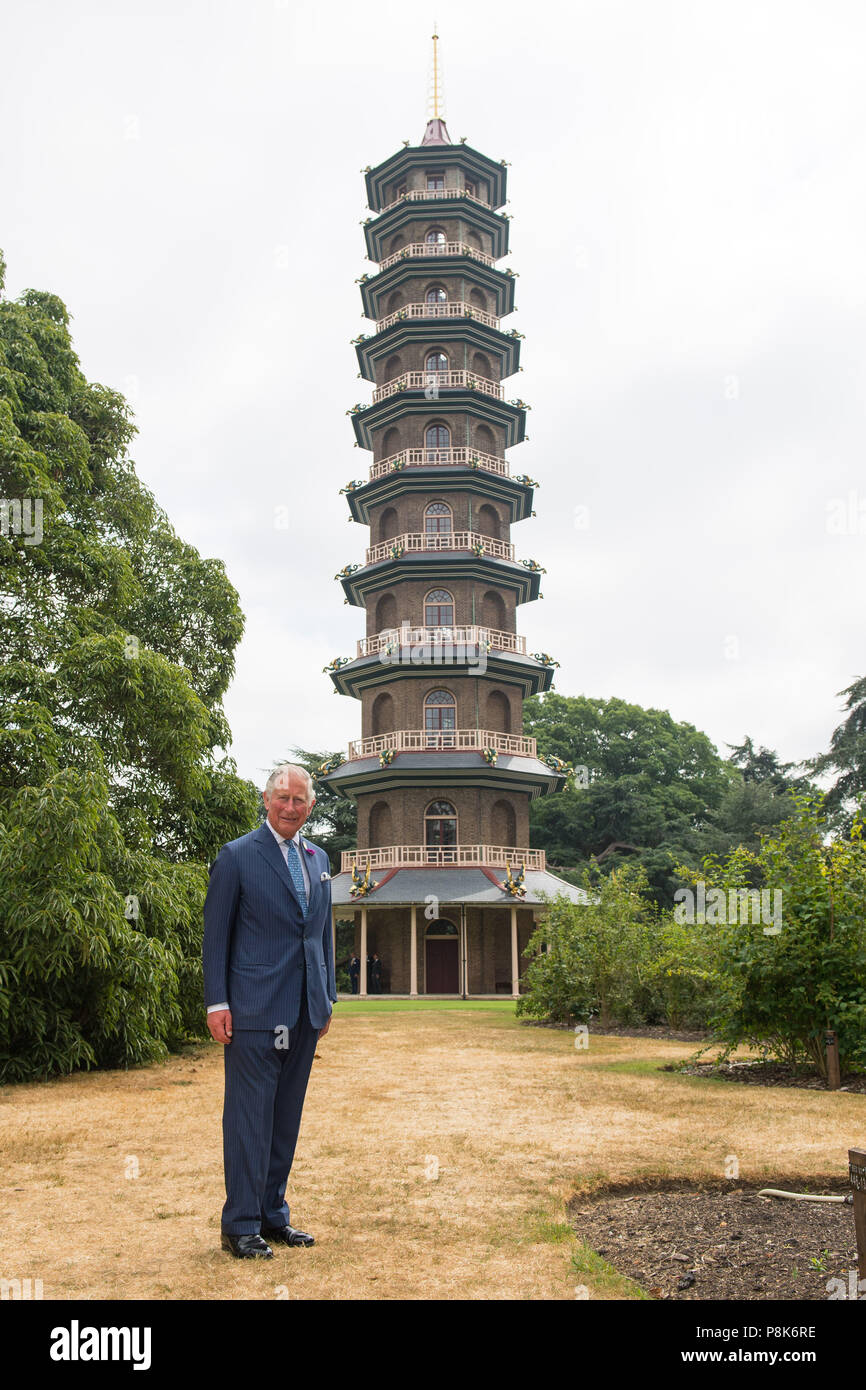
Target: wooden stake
{"points": [[857, 1178], [831, 1048]]}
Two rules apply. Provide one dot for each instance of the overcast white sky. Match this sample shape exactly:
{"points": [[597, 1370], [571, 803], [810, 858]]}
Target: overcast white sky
{"points": [[689, 203]]}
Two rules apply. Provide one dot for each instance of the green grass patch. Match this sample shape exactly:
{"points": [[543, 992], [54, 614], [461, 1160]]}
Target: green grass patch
{"points": [[587, 1265], [410, 1006]]}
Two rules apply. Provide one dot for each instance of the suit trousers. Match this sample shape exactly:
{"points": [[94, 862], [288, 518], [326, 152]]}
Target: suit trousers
{"points": [[266, 1075]]}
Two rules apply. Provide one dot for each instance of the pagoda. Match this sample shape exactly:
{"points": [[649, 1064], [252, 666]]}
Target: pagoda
{"points": [[443, 885]]}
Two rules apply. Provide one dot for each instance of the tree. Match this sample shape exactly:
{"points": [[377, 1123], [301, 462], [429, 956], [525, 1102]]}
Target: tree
{"points": [[847, 756], [116, 648], [783, 990], [645, 784], [592, 958]]}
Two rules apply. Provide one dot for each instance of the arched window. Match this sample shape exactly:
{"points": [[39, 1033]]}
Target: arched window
{"points": [[440, 826], [435, 237], [438, 520], [436, 362], [440, 926], [436, 295], [440, 719], [439, 609], [437, 438]]}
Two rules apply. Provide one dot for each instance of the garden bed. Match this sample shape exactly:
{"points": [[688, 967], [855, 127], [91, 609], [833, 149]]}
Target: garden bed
{"points": [[683, 1241], [764, 1073]]}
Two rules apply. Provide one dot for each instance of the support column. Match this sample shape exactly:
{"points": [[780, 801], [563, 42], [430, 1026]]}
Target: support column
{"points": [[363, 981], [413, 954], [515, 965], [334, 937]]}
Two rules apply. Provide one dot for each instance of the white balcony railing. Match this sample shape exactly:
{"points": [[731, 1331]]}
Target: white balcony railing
{"points": [[434, 382], [439, 458], [413, 541], [410, 856], [451, 309], [425, 195], [426, 249], [432, 740], [472, 635]]}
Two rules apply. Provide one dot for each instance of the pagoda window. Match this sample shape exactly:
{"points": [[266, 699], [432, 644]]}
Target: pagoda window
{"points": [[478, 300], [437, 439], [393, 367], [396, 243], [436, 295], [400, 190], [436, 362], [440, 825], [440, 719], [439, 609], [435, 237], [471, 188], [435, 183], [438, 519]]}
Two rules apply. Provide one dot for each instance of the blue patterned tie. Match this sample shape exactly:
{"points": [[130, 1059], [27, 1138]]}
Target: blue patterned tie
{"points": [[295, 870]]}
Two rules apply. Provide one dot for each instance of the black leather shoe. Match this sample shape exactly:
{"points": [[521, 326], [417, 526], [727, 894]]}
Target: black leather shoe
{"points": [[247, 1247], [287, 1235]]}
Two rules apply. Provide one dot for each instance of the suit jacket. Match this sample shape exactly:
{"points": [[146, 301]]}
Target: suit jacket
{"points": [[256, 940]]}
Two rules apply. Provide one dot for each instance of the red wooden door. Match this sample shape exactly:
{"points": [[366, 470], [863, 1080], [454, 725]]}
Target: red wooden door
{"points": [[443, 969]]}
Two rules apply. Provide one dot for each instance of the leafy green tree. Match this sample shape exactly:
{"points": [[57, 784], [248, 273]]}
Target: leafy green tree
{"points": [[781, 991], [593, 958], [646, 786], [847, 757], [116, 648]]}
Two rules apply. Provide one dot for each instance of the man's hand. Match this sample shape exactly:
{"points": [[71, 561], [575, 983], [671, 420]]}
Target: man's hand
{"points": [[220, 1025], [323, 1031]]}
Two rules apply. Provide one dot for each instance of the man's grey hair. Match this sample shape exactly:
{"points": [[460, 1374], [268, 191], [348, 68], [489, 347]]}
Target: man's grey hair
{"points": [[280, 777]]}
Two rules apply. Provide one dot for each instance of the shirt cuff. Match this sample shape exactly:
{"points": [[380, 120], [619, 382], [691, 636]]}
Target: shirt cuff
{"points": [[212, 1008]]}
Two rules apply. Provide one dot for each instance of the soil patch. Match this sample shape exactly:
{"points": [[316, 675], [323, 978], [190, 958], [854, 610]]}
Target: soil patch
{"points": [[686, 1242], [767, 1074]]}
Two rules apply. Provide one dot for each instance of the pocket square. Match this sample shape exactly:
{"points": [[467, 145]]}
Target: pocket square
{"points": [[324, 876]]}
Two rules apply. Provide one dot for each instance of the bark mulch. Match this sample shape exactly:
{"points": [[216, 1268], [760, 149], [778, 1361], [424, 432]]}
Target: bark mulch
{"points": [[683, 1241], [759, 1073]]}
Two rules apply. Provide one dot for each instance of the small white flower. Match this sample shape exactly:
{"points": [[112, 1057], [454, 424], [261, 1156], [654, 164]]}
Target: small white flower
{"points": [[324, 876]]}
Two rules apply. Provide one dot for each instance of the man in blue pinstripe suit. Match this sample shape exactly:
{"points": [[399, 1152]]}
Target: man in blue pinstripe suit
{"points": [[269, 985]]}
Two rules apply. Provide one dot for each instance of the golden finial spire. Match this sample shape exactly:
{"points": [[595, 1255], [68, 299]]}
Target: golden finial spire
{"points": [[435, 99], [437, 131]]}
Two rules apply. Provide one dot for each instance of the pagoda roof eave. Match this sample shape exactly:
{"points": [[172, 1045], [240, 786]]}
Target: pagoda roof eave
{"points": [[441, 565], [404, 214], [415, 156], [474, 887], [510, 418], [495, 281], [461, 330], [516, 496], [367, 672], [448, 767]]}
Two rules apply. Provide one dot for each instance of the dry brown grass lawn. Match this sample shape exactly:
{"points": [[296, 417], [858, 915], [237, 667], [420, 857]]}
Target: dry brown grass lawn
{"points": [[514, 1118]]}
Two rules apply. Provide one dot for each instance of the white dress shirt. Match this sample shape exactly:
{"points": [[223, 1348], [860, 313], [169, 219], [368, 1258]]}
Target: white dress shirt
{"points": [[284, 849]]}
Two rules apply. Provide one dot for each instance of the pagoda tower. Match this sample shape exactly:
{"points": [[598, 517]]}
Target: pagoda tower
{"points": [[443, 885]]}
